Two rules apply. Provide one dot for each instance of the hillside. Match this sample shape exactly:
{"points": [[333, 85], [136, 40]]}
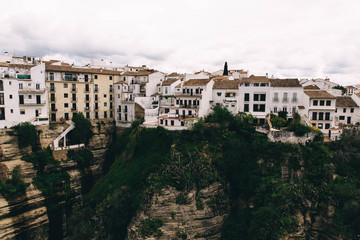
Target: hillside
{"points": [[259, 189]]}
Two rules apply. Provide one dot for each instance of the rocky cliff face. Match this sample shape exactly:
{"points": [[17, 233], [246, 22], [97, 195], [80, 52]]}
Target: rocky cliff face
{"points": [[182, 220], [26, 217]]}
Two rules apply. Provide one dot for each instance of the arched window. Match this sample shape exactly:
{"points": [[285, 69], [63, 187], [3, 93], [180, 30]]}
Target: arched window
{"points": [[1, 85]]}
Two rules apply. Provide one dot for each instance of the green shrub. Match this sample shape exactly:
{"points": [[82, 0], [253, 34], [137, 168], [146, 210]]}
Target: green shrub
{"points": [[27, 134], [149, 227], [14, 186], [82, 131], [182, 199], [199, 203], [82, 157], [301, 130], [181, 235]]}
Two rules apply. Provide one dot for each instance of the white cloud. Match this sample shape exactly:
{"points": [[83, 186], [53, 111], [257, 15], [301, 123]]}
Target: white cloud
{"points": [[299, 38]]}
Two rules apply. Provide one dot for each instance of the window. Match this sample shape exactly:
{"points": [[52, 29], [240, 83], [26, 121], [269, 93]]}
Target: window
{"points": [[1, 85], [95, 77], [125, 108], [247, 84], [105, 104], [321, 116], [284, 109], [22, 111], [110, 77], [73, 97], [2, 113], [66, 116], [246, 107], [161, 121], [256, 84], [342, 117], [172, 122], [52, 87], [20, 86], [259, 107], [86, 77], [2, 100], [96, 115], [111, 97], [275, 110], [68, 77], [327, 125], [111, 114], [52, 97], [285, 97], [344, 110], [328, 103], [320, 125], [51, 76], [65, 85], [351, 109], [96, 87], [65, 95], [73, 106], [314, 116], [110, 88], [105, 114], [53, 117], [322, 102], [182, 123], [21, 99], [29, 96], [276, 97], [96, 97], [87, 115], [37, 86], [247, 97], [73, 87], [66, 105], [315, 102], [96, 106], [166, 122], [87, 88], [166, 90], [104, 95], [87, 97], [87, 106], [218, 93], [259, 97], [327, 116], [10, 96], [293, 109], [11, 110]]}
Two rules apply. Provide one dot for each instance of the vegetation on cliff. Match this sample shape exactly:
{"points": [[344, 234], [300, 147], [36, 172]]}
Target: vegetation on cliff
{"points": [[269, 184]]}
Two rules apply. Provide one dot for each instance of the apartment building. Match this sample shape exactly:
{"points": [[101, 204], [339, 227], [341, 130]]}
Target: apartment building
{"points": [[285, 96], [319, 108], [134, 94], [192, 101], [226, 94], [22, 93], [77, 89], [253, 96], [347, 111], [166, 95]]}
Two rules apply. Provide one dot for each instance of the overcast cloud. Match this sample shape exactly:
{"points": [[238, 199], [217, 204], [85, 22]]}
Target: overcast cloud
{"points": [[297, 38]]}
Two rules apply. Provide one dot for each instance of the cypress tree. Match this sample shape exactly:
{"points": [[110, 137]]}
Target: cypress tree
{"points": [[226, 72]]}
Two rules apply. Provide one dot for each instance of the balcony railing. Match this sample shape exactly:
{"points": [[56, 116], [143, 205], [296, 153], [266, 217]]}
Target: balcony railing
{"points": [[188, 106], [32, 90], [32, 103]]}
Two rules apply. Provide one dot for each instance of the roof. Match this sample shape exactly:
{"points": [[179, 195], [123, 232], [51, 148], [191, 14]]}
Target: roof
{"points": [[301, 107], [241, 71], [350, 87], [174, 74], [56, 68], [169, 82], [319, 94], [226, 84], [345, 101], [197, 82], [140, 73], [120, 82], [285, 83], [311, 87], [253, 78], [4, 64], [27, 66]]}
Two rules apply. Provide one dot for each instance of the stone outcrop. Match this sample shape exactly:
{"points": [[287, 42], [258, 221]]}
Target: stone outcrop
{"points": [[182, 219]]}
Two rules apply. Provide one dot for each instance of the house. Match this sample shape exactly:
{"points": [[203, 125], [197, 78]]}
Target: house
{"points": [[22, 94], [166, 95], [79, 89], [285, 96], [319, 108], [253, 96], [347, 111], [192, 101], [225, 93]]}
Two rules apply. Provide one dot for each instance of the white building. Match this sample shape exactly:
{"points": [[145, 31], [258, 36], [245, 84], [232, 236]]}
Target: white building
{"points": [[347, 111], [226, 93], [192, 101], [23, 96], [285, 95], [254, 93]]}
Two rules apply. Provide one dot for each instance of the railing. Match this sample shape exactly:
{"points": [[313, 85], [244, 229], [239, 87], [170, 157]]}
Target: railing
{"points": [[40, 90], [188, 106], [28, 103]]}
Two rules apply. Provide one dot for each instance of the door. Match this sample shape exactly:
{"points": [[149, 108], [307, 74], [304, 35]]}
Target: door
{"points": [[348, 120], [38, 99], [36, 113]]}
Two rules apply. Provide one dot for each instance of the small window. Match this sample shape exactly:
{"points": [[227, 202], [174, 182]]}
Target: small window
{"points": [[105, 104], [344, 110], [65, 85], [351, 110], [22, 111], [322, 102], [327, 125], [66, 105], [104, 95], [328, 102], [342, 117], [95, 77], [219, 93], [315, 102], [110, 77], [10, 96], [66, 95]]}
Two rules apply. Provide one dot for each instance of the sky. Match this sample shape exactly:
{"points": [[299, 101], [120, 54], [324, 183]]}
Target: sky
{"points": [[284, 38]]}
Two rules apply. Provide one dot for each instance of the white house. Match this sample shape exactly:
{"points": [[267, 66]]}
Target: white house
{"points": [[226, 93], [347, 111], [23, 95]]}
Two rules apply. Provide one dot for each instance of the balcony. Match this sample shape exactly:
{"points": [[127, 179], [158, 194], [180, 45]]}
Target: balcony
{"points": [[73, 109], [53, 109], [33, 103], [32, 90], [74, 99], [189, 106], [73, 90], [21, 76]]}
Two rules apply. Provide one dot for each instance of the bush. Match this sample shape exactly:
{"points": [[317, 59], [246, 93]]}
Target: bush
{"points": [[301, 130], [182, 199], [15, 186], [82, 131], [82, 157], [150, 227], [27, 134]]}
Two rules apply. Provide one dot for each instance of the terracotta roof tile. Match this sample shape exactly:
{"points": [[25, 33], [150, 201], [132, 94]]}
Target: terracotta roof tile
{"points": [[56, 68], [197, 82], [319, 94], [345, 101], [140, 73], [311, 87], [226, 84], [253, 78], [4, 64], [285, 83]]}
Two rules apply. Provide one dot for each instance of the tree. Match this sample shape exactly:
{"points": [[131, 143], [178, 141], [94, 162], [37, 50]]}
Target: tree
{"points": [[226, 72], [82, 131], [27, 134]]}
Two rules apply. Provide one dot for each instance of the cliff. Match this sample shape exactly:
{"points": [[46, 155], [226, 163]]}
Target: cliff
{"points": [[180, 220]]}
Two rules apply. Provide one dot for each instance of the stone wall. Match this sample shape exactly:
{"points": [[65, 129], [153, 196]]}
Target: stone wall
{"points": [[289, 137]]}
